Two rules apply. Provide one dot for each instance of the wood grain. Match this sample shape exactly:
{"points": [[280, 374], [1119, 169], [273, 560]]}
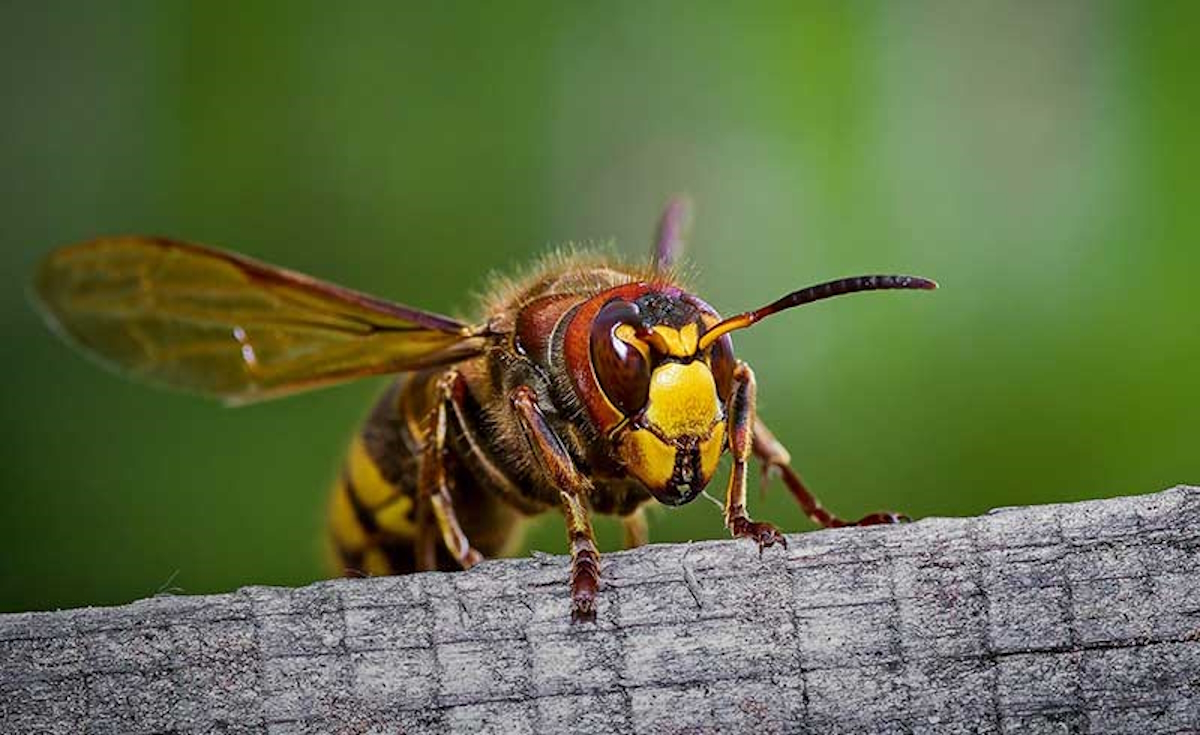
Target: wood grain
{"points": [[1080, 618]]}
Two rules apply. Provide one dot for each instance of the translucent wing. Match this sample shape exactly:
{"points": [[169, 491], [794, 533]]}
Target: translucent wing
{"points": [[211, 322], [672, 231]]}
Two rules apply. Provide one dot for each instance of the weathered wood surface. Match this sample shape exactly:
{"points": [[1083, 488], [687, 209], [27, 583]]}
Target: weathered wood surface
{"points": [[1080, 618]]}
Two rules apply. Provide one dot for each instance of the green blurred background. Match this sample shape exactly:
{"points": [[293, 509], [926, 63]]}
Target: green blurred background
{"points": [[1040, 160]]}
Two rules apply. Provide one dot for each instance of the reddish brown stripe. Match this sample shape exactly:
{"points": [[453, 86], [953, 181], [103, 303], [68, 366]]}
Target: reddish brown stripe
{"points": [[536, 322], [577, 352]]}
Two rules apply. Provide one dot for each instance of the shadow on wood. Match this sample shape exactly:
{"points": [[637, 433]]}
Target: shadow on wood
{"points": [[1054, 619]]}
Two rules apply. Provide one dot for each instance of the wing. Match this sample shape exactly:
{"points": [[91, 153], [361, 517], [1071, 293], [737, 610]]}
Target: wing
{"points": [[210, 322], [672, 229]]}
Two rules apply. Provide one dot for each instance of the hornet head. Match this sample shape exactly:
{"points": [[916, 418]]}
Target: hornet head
{"points": [[659, 374]]}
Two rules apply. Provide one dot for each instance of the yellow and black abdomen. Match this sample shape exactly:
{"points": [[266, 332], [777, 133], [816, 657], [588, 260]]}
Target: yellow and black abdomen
{"points": [[374, 518], [372, 509]]}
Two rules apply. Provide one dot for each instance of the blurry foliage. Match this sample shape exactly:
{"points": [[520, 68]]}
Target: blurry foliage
{"points": [[1038, 160]]}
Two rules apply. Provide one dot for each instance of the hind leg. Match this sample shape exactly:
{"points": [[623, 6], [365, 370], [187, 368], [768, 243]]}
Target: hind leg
{"points": [[775, 459]]}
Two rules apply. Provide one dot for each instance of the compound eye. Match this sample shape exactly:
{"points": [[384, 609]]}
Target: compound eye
{"points": [[622, 369], [720, 359]]}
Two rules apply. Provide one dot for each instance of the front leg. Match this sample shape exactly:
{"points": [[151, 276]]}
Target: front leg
{"points": [[572, 488], [775, 459], [741, 419]]}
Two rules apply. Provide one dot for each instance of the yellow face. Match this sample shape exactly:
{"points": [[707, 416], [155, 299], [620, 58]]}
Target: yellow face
{"points": [[674, 444]]}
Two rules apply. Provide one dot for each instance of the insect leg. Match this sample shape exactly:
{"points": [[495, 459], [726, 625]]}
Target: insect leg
{"points": [[432, 480], [776, 460], [425, 546], [741, 421], [637, 531], [572, 488]]}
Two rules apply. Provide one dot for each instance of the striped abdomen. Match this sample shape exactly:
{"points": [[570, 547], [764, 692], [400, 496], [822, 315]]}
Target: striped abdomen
{"points": [[374, 518]]}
